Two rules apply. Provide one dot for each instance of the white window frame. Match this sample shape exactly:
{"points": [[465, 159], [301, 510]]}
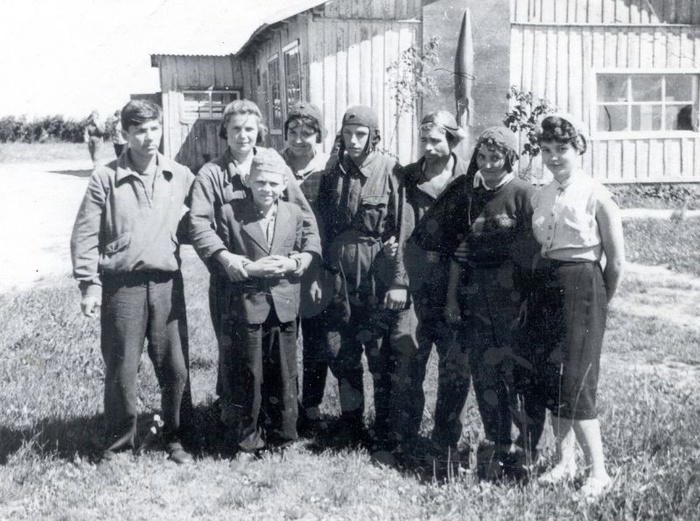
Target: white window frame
{"points": [[215, 109], [638, 134], [292, 46]]}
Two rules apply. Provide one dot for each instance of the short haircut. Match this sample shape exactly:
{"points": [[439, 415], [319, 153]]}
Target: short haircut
{"points": [[559, 130], [137, 112], [245, 107]]}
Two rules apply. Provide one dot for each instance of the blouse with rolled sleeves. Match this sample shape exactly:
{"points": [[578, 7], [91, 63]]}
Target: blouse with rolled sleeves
{"points": [[564, 218]]}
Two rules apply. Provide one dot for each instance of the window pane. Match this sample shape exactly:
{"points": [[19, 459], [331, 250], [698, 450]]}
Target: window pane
{"points": [[196, 96], [679, 117], [612, 87], [292, 76], [646, 117], [646, 87], [274, 94], [612, 118], [679, 87]]}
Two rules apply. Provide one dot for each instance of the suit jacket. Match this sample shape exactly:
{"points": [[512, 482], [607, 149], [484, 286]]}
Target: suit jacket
{"points": [[252, 300]]}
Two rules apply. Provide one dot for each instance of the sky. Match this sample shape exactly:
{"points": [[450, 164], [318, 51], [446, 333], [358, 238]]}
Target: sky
{"points": [[72, 56]]}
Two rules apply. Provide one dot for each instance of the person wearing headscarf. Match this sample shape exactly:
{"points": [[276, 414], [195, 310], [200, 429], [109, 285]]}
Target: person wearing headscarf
{"points": [[426, 180], [362, 208]]}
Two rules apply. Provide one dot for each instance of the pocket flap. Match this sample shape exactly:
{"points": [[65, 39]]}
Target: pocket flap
{"points": [[119, 244]]}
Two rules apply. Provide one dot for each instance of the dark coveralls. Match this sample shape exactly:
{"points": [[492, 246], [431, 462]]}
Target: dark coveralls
{"points": [[362, 207], [428, 271]]}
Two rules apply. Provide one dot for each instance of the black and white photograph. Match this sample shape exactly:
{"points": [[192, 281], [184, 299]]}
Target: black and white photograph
{"points": [[350, 260]]}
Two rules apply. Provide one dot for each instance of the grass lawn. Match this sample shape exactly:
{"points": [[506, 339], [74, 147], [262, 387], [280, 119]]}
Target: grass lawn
{"points": [[674, 243], [50, 427]]}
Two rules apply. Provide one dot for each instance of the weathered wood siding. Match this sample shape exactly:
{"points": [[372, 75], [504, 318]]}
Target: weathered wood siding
{"points": [[193, 142], [345, 48], [556, 48]]}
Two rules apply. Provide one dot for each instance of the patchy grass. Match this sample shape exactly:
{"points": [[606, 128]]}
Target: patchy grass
{"points": [[673, 243], [48, 152], [50, 427]]}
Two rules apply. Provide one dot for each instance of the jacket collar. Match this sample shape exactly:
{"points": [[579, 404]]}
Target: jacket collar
{"points": [[125, 167], [347, 165]]}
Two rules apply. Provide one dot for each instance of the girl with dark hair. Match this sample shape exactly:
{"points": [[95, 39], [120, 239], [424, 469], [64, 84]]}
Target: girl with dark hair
{"points": [[578, 226]]}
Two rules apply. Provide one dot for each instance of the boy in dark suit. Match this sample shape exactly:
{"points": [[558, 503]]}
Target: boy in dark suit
{"points": [[259, 344]]}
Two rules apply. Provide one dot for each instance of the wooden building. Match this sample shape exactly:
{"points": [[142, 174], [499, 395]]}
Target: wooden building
{"points": [[334, 54], [629, 69]]}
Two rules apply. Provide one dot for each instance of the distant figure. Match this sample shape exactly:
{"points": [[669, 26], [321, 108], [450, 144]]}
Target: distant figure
{"points": [[114, 124], [94, 136]]}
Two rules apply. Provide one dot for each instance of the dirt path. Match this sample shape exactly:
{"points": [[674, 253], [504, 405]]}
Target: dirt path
{"points": [[38, 204]]}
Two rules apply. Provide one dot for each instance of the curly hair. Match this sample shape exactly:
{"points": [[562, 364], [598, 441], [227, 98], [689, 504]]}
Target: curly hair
{"points": [[560, 130], [245, 107]]}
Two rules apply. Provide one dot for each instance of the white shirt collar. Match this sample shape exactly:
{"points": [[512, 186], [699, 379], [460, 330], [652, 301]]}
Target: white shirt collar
{"points": [[480, 182]]}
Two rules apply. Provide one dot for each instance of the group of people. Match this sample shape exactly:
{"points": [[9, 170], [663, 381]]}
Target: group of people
{"points": [[96, 130], [349, 254]]}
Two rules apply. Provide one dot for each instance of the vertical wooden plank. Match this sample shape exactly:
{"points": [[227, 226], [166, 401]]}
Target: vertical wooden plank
{"points": [[690, 161], [314, 81], [610, 47], [621, 48], [406, 121], [696, 52], [330, 106], [581, 11], [387, 121], [355, 71], [642, 159], [561, 12], [659, 46], [520, 10], [539, 61], [628, 169], [686, 49], [588, 60], [673, 48], [646, 49], [635, 12], [562, 75], [672, 158], [365, 63], [656, 159], [330, 9], [548, 8], [380, 93], [528, 57], [341, 71], [633, 58], [608, 11], [615, 159], [551, 66], [597, 46], [683, 14], [575, 70], [517, 49]]}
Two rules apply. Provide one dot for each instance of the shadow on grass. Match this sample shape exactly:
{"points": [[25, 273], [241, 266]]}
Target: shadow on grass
{"points": [[84, 436], [73, 173]]}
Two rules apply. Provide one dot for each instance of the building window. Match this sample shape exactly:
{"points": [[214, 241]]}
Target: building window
{"points": [[292, 74], [646, 102], [274, 94], [207, 104]]}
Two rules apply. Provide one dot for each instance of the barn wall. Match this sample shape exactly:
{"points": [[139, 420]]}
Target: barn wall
{"points": [[192, 142], [345, 49], [558, 62]]}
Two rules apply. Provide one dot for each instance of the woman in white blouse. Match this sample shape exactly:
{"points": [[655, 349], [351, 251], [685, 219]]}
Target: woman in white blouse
{"points": [[579, 228]]}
